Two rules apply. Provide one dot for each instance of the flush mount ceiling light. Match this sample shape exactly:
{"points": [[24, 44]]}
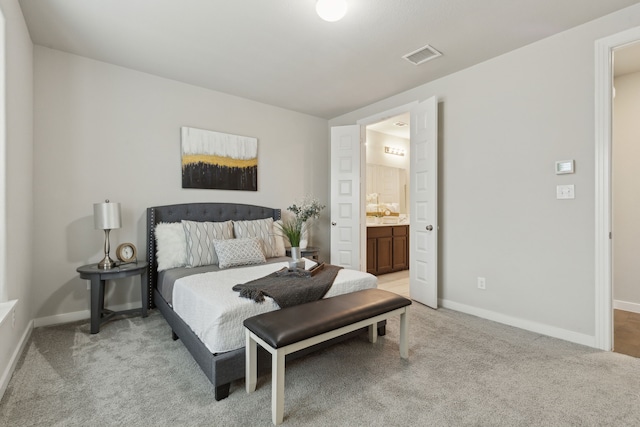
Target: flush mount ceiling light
{"points": [[331, 10]]}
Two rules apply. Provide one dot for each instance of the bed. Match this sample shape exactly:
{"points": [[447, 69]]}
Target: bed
{"points": [[179, 293]]}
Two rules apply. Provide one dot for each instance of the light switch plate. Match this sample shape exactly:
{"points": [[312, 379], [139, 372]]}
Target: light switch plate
{"points": [[565, 192]]}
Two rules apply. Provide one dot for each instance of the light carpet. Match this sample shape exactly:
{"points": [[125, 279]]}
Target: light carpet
{"points": [[462, 371]]}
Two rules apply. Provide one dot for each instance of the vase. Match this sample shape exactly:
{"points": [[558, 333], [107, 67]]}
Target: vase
{"points": [[295, 253], [304, 235]]}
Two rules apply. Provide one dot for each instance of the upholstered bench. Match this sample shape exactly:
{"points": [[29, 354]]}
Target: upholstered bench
{"points": [[294, 328]]}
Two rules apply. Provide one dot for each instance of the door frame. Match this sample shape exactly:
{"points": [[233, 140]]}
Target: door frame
{"points": [[604, 49]]}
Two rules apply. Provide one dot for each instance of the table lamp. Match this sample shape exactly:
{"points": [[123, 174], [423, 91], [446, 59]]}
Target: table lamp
{"points": [[106, 216]]}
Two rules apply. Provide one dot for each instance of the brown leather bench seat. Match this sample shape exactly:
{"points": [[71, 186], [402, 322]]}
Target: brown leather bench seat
{"points": [[291, 329], [283, 327]]}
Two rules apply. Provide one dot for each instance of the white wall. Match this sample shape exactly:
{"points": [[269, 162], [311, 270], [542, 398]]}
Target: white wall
{"points": [[103, 131], [376, 141], [626, 190], [502, 125], [19, 179]]}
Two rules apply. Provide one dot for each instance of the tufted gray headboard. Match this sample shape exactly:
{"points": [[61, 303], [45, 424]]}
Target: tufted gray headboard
{"points": [[196, 212]]}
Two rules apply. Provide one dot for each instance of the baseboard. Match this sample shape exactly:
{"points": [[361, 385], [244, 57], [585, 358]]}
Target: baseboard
{"points": [[539, 328], [626, 306], [8, 372], [57, 319], [5, 310]]}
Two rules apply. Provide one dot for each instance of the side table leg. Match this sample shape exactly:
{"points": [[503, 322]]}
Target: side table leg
{"points": [[97, 303]]}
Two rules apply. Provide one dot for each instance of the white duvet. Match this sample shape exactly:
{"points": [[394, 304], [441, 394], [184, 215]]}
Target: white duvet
{"points": [[215, 312]]}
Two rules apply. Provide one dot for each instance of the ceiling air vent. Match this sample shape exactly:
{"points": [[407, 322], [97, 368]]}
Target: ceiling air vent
{"points": [[422, 55]]}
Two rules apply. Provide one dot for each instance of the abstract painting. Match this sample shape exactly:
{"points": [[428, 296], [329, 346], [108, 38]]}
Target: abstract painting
{"points": [[217, 160]]}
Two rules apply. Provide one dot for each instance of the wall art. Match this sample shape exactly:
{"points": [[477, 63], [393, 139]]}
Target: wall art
{"points": [[217, 160]]}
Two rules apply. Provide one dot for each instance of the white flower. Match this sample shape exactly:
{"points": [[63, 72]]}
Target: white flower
{"points": [[292, 228], [308, 208]]}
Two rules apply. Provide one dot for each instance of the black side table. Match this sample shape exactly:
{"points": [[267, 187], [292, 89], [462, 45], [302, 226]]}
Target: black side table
{"points": [[308, 252], [98, 277]]}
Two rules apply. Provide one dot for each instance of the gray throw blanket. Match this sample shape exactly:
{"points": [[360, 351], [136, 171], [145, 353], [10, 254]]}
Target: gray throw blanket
{"points": [[289, 290]]}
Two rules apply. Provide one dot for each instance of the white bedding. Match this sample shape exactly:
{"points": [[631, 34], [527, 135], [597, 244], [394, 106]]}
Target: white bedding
{"points": [[215, 312]]}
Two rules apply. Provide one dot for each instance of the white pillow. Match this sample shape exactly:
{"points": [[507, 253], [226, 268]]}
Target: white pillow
{"points": [[234, 252], [200, 237], [279, 237], [171, 245], [260, 228]]}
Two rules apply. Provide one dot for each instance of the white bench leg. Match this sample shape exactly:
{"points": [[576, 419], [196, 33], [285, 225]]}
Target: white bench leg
{"points": [[278, 355], [251, 363], [373, 333], [277, 386], [404, 342]]}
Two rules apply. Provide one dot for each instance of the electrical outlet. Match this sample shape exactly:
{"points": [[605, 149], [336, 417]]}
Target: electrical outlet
{"points": [[565, 192], [482, 283]]}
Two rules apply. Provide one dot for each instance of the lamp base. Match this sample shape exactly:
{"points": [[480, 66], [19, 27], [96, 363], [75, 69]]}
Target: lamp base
{"points": [[106, 263]]}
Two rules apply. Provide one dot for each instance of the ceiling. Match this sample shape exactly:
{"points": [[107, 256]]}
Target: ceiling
{"points": [[626, 60], [390, 127], [281, 53]]}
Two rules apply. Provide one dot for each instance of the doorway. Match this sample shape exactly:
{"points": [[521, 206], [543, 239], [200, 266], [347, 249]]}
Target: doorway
{"points": [[387, 195], [625, 154], [604, 50], [348, 221]]}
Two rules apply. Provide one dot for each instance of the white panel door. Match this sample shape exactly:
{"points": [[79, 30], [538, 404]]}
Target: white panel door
{"points": [[346, 157], [423, 282]]}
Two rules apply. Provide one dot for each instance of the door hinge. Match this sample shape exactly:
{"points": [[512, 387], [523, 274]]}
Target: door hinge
{"points": [[610, 235]]}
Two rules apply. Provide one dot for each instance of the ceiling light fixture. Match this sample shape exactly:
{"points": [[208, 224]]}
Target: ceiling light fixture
{"points": [[331, 10]]}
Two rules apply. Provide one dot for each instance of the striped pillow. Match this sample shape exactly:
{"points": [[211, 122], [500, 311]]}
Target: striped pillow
{"points": [[200, 237], [261, 229]]}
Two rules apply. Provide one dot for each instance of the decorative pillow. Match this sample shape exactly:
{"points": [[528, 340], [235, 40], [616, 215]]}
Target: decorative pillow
{"points": [[234, 252], [199, 240], [260, 228], [171, 245], [279, 238]]}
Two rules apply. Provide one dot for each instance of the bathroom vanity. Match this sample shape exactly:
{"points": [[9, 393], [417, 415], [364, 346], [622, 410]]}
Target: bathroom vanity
{"points": [[387, 248]]}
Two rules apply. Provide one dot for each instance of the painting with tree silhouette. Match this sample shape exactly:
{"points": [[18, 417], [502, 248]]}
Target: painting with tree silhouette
{"points": [[217, 160]]}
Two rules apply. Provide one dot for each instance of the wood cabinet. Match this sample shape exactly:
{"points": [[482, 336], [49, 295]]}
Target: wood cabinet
{"points": [[387, 249]]}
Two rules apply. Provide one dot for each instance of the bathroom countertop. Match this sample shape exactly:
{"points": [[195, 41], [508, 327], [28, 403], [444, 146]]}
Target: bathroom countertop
{"points": [[371, 224]]}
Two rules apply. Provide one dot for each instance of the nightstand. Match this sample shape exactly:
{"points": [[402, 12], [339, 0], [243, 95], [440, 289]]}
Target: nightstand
{"points": [[308, 252], [98, 278]]}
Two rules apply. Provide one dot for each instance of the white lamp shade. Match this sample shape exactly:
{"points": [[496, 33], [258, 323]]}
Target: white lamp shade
{"points": [[106, 216], [331, 10]]}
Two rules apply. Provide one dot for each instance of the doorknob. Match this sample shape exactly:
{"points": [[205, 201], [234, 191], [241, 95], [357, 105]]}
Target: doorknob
{"points": [[334, 223], [429, 227]]}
